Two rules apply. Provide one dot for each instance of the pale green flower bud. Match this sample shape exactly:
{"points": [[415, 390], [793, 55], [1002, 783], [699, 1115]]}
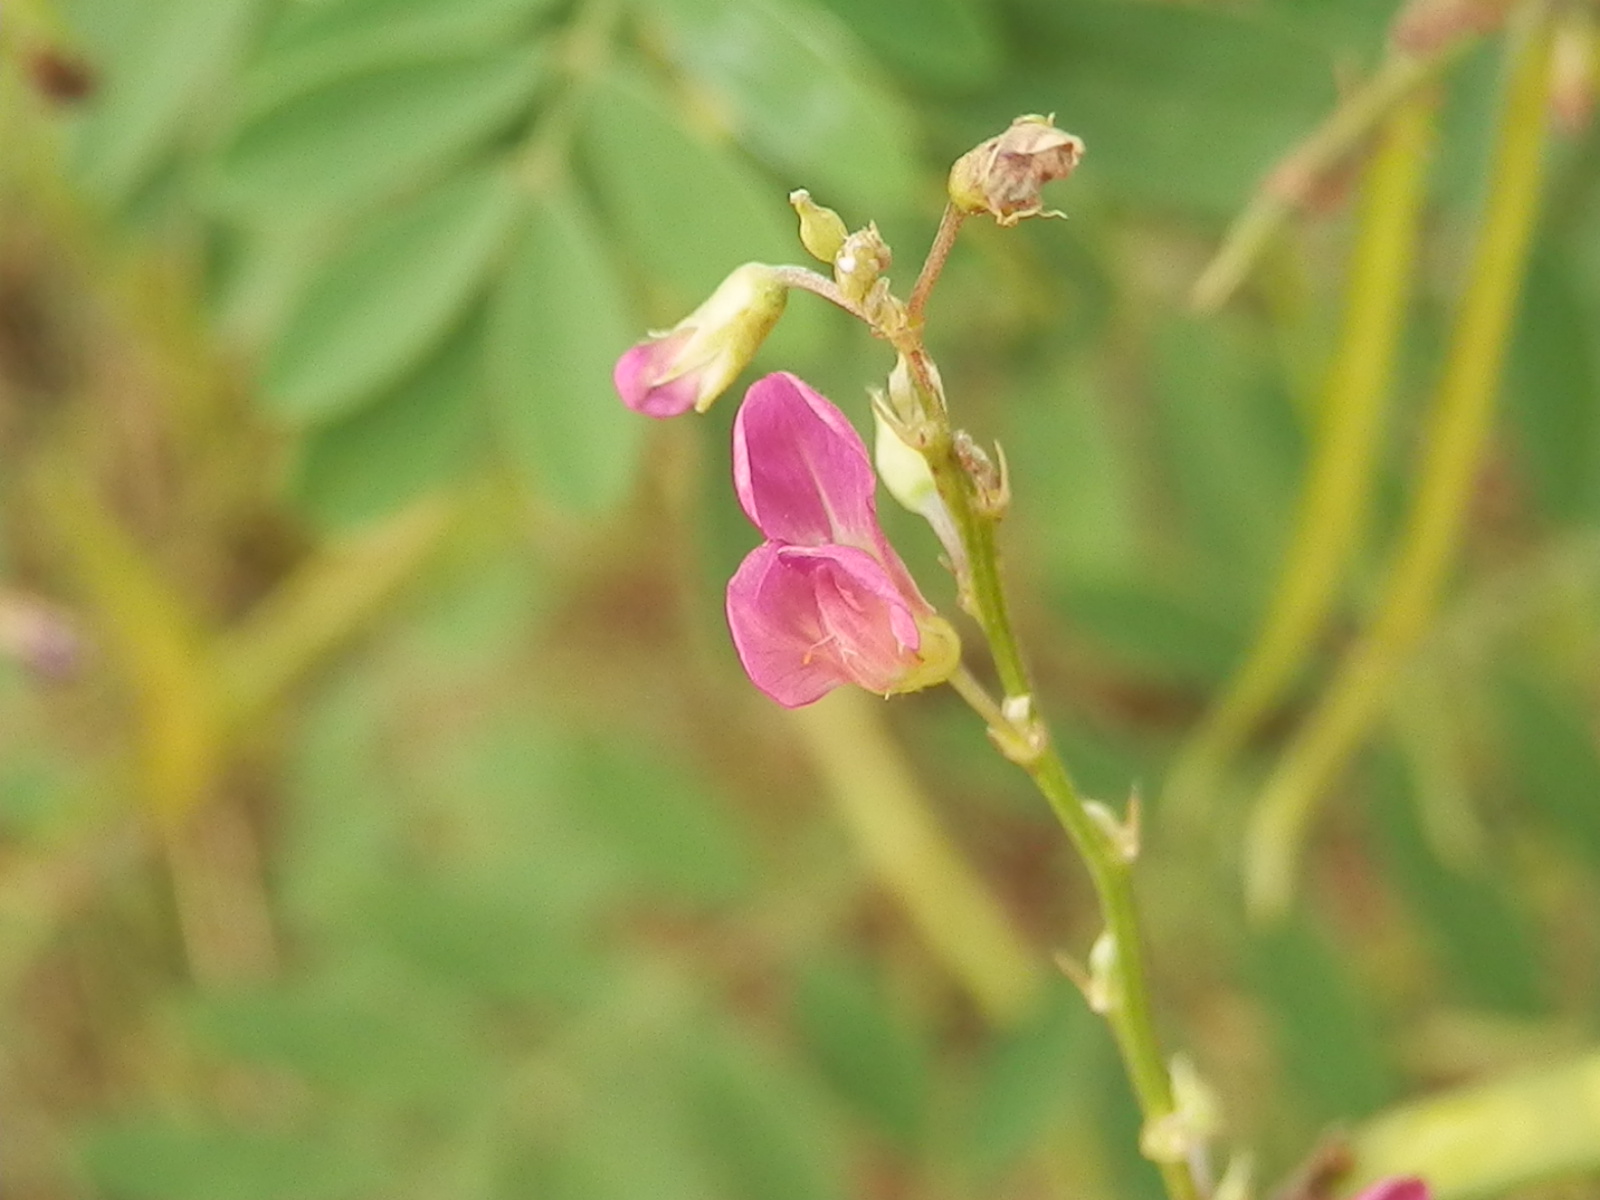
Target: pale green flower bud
{"points": [[861, 261], [907, 477], [822, 231], [694, 362]]}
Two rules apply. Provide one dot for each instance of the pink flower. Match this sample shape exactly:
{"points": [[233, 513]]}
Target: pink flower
{"points": [[1396, 1187], [824, 600], [693, 363]]}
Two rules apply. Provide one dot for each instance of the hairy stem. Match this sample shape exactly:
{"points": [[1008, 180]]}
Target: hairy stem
{"points": [[933, 265], [809, 281]]}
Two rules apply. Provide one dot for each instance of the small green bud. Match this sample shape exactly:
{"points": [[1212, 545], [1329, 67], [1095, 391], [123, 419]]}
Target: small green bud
{"points": [[822, 231], [860, 262], [903, 469]]}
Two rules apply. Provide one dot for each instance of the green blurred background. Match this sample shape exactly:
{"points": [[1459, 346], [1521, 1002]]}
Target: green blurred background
{"points": [[383, 812]]}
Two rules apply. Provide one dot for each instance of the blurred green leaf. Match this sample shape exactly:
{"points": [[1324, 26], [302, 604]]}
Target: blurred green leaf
{"points": [[673, 836], [378, 308], [800, 94], [1553, 760], [1181, 107], [871, 1055], [376, 1035], [484, 942], [1174, 636], [951, 44], [1069, 462], [1332, 1054], [765, 1122], [149, 1158], [557, 325], [1024, 1081], [1489, 945], [161, 69], [311, 45], [355, 141], [656, 180], [1554, 400], [420, 436], [1492, 1138], [1231, 446]]}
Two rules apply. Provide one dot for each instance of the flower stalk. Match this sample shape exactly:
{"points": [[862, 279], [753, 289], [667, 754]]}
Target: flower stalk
{"points": [[1119, 987], [826, 602]]}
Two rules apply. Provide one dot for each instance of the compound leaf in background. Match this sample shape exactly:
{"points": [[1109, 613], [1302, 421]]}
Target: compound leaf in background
{"points": [[689, 209], [801, 95], [314, 44], [156, 80], [378, 308], [419, 436], [557, 324], [950, 44], [350, 143]]}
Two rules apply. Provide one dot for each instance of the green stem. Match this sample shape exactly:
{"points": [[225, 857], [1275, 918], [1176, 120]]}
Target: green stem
{"points": [[1333, 508], [1454, 441], [984, 593], [1021, 737], [807, 280]]}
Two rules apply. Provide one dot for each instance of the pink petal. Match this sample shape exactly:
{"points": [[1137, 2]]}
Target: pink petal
{"points": [[1399, 1187], [800, 469], [806, 620], [641, 377]]}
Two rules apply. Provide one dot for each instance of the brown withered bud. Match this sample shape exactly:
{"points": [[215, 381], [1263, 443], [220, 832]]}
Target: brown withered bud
{"points": [[60, 76], [1004, 175]]}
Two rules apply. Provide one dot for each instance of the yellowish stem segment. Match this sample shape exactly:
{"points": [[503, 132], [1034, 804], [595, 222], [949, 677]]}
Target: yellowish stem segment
{"points": [[1295, 179], [1453, 443], [877, 796], [1333, 508], [324, 604], [1492, 1138]]}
